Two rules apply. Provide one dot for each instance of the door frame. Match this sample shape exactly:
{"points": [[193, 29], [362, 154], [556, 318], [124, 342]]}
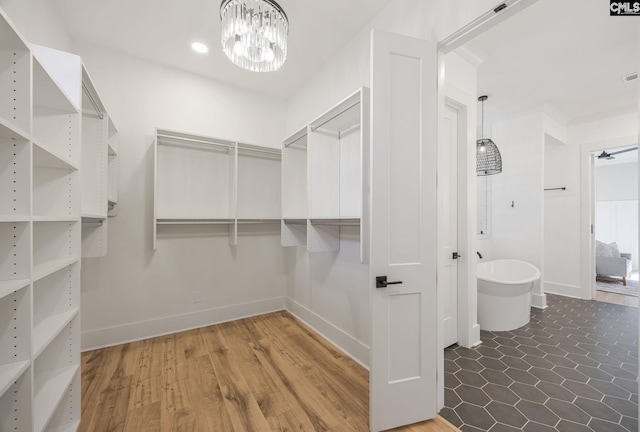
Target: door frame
{"points": [[468, 328], [587, 203]]}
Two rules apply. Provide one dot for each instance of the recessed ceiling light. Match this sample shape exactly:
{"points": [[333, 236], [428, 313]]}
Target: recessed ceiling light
{"points": [[199, 47]]}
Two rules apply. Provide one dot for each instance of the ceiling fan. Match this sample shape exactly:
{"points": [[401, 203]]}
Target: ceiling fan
{"points": [[609, 156]]}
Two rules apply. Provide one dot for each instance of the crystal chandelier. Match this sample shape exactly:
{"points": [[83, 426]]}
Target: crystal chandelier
{"points": [[254, 34], [488, 158]]}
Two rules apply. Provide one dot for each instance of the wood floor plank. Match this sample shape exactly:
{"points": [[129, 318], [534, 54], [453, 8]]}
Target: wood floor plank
{"points": [[265, 373], [270, 393], [243, 409]]}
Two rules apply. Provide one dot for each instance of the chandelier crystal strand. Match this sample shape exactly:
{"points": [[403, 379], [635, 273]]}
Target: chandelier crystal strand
{"points": [[254, 34]]}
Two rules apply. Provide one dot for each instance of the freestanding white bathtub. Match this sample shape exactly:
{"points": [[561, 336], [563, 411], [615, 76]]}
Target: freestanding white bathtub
{"points": [[504, 294]]}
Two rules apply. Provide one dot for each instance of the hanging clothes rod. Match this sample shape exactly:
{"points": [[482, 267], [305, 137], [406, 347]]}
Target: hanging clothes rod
{"points": [[296, 137], [92, 100], [251, 149], [558, 188]]}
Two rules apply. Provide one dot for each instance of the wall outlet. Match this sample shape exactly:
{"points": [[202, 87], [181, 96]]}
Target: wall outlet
{"points": [[197, 296]]}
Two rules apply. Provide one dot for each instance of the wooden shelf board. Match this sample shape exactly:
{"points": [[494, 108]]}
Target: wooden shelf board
{"points": [[9, 286], [56, 218], [11, 131], [13, 218], [48, 329], [44, 269], [47, 158], [49, 395], [10, 372]]}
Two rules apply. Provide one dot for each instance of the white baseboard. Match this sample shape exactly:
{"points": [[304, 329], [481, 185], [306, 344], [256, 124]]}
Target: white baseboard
{"points": [[539, 301], [100, 338], [346, 343], [563, 289]]}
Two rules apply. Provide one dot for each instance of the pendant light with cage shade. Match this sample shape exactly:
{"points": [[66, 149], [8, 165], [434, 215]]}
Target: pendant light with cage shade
{"points": [[488, 158]]}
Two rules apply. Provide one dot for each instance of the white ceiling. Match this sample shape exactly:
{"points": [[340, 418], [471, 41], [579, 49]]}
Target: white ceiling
{"points": [[163, 30], [564, 56]]}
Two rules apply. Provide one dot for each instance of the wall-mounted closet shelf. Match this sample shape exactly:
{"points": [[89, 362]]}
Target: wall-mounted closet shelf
{"points": [[201, 180], [70, 219], [53, 387], [203, 221], [45, 268], [48, 94], [336, 222], [10, 131], [13, 219], [49, 327], [10, 372], [88, 218], [48, 158], [259, 221], [10, 286], [40, 141], [325, 177]]}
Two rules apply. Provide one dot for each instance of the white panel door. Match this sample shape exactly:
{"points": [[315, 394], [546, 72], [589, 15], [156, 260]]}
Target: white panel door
{"points": [[404, 352], [448, 224]]}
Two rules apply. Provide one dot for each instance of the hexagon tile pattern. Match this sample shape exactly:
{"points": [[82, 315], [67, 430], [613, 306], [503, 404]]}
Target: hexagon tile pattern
{"points": [[573, 368]]}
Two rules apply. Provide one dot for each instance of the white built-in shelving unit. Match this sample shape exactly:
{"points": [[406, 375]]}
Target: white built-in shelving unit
{"points": [[325, 178], [42, 135], [99, 170], [208, 181]]}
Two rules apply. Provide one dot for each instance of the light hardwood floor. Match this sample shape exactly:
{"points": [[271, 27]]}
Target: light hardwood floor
{"points": [[619, 299], [266, 373]]}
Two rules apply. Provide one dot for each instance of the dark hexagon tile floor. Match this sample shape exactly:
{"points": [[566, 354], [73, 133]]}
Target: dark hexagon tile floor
{"points": [[573, 368]]}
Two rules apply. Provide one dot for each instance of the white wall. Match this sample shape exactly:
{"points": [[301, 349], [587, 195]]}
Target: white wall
{"points": [[135, 289], [562, 218], [38, 22], [349, 68], [517, 195]]}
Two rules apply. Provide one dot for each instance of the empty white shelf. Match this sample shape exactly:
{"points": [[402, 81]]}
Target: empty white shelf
{"points": [[13, 218], [49, 328], [48, 158], [70, 427], [11, 131], [46, 91], [51, 388], [44, 269], [260, 221], [55, 219], [337, 221], [9, 286], [93, 217], [10, 372], [112, 149], [195, 221]]}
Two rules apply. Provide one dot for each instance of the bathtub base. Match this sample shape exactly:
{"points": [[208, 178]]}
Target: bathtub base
{"points": [[503, 313]]}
